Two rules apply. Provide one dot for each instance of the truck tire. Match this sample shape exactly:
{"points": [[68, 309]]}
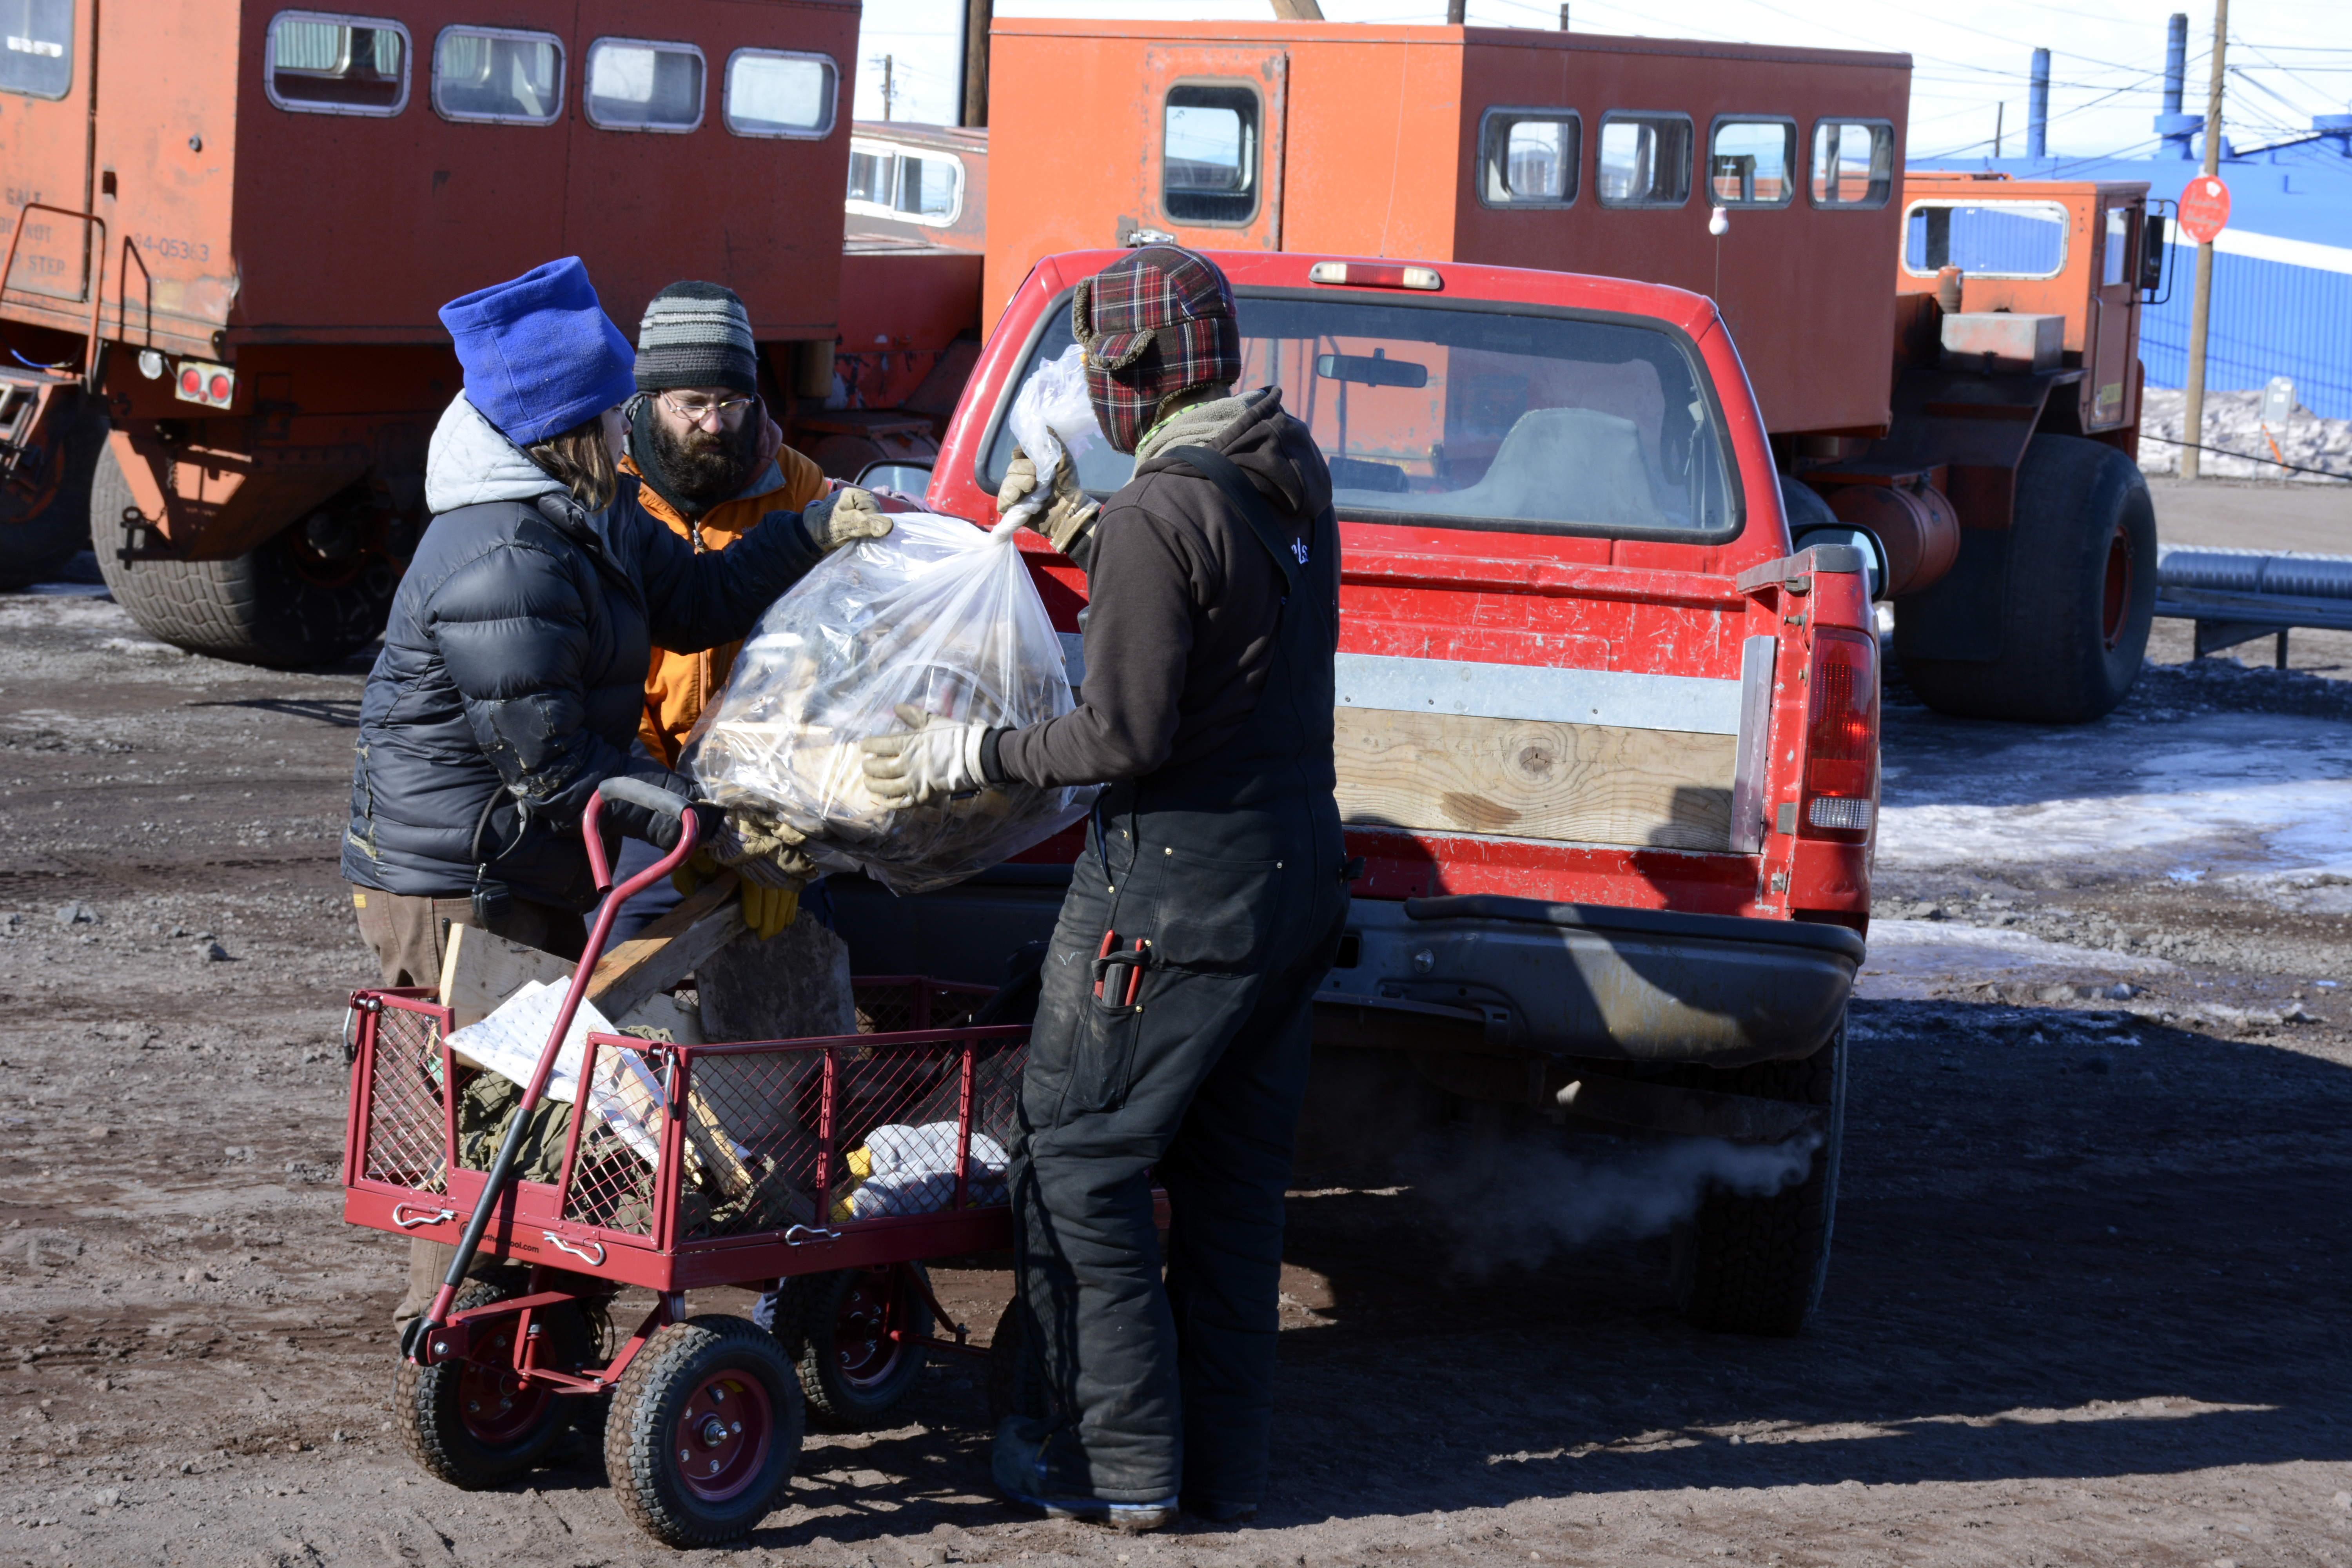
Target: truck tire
{"points": [[2080, 594], [41, 532], [281, 604], [1755, 1265]]}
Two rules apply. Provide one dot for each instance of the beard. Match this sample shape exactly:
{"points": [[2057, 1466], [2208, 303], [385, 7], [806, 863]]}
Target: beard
{"points": [[705, 467]]}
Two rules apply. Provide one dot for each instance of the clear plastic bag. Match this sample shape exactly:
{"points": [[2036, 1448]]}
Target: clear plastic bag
{"points": [[939, 614], [1051, 415]]}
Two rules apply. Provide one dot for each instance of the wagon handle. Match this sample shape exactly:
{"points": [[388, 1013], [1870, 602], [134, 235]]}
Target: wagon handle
{"points": [[502, 1172]]}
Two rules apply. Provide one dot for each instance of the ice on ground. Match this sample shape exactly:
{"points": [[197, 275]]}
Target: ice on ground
{"points": [[2240, 795], [1906, 957], [2233, 423]]}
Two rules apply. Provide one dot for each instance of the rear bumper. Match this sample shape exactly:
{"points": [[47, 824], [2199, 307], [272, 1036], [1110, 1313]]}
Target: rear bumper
{"points": [[1647, 985], [1477, 972]]}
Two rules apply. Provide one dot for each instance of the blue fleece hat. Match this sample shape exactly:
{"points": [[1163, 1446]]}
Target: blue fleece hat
{"points": [[540, 354]]}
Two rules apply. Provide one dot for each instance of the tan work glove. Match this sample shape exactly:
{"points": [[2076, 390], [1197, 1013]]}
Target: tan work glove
{"points": [[1066, 513], [931, 760], [844, 517]]}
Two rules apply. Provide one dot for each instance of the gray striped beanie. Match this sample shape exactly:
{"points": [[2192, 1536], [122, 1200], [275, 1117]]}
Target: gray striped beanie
{"points": [[696, 334]]}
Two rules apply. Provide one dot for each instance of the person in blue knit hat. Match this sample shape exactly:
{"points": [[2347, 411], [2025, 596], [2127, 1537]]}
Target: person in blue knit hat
{"points": [[513, 668]]}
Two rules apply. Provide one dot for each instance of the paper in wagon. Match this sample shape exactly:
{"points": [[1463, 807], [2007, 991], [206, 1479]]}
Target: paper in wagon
{"points": [[940, 614], [625, 1093]]}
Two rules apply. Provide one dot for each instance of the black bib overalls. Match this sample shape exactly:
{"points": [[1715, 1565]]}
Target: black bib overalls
{"points": [[1187, 1061]]}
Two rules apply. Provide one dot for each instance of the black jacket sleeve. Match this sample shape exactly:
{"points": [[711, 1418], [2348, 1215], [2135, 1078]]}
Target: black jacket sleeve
{"points": [[1145, 582], [512, 629], [695, 600]]}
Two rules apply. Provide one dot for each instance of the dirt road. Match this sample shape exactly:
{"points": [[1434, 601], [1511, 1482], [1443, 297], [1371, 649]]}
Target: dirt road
{"points": [[2088, 1302]]}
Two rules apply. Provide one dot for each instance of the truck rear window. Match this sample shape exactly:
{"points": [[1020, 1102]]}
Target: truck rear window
{"points": [[1467, 417], [36, 48]]}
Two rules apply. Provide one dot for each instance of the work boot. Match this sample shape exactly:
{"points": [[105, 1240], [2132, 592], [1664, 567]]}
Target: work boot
{"points": [[1019, 1469]]}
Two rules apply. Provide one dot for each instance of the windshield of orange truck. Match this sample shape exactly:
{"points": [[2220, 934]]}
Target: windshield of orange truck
{"points": [[1507, 418]]}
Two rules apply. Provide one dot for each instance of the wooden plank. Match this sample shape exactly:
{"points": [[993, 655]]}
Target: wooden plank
{"points": [[668, 951], [480, 970], [1587, 784]]}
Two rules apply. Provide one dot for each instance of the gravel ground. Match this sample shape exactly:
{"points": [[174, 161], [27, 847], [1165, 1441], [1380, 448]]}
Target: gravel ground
{"points": [[2087, 1304]]}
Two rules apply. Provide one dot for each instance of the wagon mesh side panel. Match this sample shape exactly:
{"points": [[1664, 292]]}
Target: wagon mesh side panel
{"points": [[765, 1115], [750, 1148], [407, 1135], [613, 1184]]}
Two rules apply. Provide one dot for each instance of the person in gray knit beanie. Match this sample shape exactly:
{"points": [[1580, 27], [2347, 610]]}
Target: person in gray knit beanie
{"points": [[696, 334]]}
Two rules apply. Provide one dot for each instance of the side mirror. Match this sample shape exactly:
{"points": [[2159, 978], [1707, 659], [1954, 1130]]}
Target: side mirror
{"points": [[895, 473], [2152, 254], [1874, 552]]}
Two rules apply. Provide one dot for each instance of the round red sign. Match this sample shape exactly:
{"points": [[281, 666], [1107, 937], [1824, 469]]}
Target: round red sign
{"points": [[2204, 208]]}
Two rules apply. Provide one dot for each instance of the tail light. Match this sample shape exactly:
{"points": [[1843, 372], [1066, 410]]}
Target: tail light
{"points": [[214, 386], [1842, 740]]}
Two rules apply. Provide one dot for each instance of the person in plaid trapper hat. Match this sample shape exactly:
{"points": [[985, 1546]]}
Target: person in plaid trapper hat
{"points": [[1173, 1018]]}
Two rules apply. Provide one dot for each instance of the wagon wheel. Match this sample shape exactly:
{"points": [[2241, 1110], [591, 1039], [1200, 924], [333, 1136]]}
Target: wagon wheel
{"points": [[474, 1423], [853, 1332], [705, 1432]]}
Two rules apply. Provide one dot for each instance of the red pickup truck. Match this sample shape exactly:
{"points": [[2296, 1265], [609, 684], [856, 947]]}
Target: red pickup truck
{"points": [[1608, 749]]}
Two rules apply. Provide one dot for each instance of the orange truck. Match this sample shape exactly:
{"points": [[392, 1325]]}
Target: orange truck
{"points": [[231, 224]]}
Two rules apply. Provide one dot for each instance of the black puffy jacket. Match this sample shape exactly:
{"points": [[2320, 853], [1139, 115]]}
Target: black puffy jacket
{"points": [[512, 677]]}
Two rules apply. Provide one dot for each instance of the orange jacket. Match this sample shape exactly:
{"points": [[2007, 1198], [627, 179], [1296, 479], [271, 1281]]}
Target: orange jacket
{"points": [[678, 684]]}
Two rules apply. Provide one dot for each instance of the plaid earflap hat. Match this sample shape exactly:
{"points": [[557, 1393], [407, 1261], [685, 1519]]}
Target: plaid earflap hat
{"points": [[1155, 323]]}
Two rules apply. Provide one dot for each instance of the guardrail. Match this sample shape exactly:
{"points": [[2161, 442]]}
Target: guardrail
{"points": [[2237, 595]]}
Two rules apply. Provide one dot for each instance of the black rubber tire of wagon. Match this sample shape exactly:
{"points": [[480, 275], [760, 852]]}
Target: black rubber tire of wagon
{"points": [[653, 1401], [34, 549], [854, 1394], [430, 1401], [1756, 1265], [267, 607], [2081, 595]]}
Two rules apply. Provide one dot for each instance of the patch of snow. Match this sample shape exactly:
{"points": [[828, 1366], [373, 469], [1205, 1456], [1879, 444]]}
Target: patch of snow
{"points": [[2233, 423], [2228, 791], [1906, 955]]}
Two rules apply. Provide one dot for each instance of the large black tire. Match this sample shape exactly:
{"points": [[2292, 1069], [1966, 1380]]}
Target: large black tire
{"points": [[1756, 1265], [836, 1327], [705, 1432], [282, 603], [472, 1423], [41, 532], [2080, 594]]}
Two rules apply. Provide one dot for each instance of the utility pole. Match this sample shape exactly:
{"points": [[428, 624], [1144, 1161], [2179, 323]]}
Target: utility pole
{"points": [[2200, 307], [1563, 18], [1998, 110], [889, 92], [979, 15], [1453, 12]]}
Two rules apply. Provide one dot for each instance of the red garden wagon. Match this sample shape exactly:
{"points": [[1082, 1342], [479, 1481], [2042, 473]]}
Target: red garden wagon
{"points": [[835, 1165]]}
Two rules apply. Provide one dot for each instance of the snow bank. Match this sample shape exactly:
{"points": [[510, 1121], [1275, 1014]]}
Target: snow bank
{"points": [[2233, 422]]}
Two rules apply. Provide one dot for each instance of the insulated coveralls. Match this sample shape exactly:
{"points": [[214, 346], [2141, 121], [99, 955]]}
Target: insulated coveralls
{"points": [[1188, 1068]]}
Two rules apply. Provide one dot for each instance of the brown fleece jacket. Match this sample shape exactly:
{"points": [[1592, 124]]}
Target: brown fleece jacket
{"points": [[1182, 603]]}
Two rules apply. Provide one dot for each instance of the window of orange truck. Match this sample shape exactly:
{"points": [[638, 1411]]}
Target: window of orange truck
{"points": [[322, 63], [37, 60], [498, 74], [637, 84], [778, 92]]}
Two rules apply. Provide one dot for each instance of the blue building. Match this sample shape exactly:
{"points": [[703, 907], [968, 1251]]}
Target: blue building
{"points": [[2281, 269]]}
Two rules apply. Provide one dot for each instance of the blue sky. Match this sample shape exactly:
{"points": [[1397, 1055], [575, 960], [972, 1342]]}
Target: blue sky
{"points": [[2290, 59]]}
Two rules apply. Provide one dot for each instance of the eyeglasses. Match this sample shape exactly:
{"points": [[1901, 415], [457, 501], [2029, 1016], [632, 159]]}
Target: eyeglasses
{"points": [[695, 410]]}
